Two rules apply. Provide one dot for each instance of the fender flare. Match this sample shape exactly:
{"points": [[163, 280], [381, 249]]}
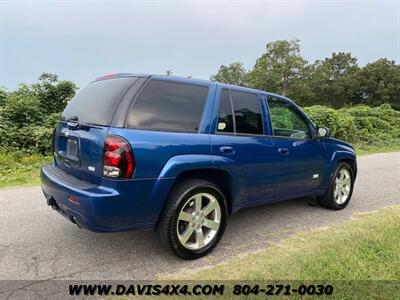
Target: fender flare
{"points": [[186, 162], [175, 166], [335, 158]]}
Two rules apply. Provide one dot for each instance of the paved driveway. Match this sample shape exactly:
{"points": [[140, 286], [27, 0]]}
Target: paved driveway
{"points": [[37, 243]]}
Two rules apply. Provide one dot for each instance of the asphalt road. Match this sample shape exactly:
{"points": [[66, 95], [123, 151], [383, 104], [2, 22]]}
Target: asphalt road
{"points": [[37, 243]]}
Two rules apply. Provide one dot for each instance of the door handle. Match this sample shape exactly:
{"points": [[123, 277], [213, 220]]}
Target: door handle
{"points": [[227, 150], [283, 151]]}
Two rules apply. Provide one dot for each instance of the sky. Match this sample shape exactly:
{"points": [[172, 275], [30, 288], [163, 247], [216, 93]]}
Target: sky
{"points": [[82, 40]]}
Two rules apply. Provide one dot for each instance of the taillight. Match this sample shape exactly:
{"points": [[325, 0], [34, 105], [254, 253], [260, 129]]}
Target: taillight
{"points": [[118, 160]]}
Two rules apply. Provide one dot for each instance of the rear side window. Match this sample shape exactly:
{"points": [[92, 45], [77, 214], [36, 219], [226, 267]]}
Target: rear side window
{"points": [[168, 106], [225, 118], [97, 102], [247, 118], [247, 113]]}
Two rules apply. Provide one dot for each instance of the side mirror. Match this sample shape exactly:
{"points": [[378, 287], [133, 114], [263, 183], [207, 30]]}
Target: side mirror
{"points": [[323, 132]]}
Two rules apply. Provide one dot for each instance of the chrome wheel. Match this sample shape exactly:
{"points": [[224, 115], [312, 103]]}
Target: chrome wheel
{"points": [[198, 221], [342, 186]]}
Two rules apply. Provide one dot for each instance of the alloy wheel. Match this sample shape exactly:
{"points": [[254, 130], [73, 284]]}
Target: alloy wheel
{"points": [[342, 186], [199, 221]]}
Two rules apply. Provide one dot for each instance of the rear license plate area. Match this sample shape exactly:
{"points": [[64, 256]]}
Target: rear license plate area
{"points": [[72, 147]]}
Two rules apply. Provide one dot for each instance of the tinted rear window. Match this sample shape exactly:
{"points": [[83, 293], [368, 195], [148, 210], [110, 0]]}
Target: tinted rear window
{"points": [[225, 118], [97, 102], [247, 113], [168, 106]]}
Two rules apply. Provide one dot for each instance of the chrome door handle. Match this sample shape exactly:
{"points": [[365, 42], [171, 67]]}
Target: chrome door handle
{"points": [[227, 150], [283, 151]]}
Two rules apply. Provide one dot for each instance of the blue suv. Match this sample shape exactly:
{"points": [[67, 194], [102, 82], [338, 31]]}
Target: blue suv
{"points": [[138, 151]]}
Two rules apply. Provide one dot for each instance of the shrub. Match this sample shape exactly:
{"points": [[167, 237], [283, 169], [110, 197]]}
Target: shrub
{"points": [[29, 114], [341, 124], [21, 109], [359, 124], [378, 125]]}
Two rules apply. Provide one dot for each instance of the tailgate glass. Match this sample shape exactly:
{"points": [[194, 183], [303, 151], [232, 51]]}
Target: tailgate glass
{"points": [[97, 102]]}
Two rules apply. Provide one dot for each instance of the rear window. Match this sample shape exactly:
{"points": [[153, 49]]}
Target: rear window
{"points": [[168, 106], [225, 118], [247, 113], [97, 102]]}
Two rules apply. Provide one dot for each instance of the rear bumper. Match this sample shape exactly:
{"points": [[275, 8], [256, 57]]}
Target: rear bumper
{"points": [[112, 206]]}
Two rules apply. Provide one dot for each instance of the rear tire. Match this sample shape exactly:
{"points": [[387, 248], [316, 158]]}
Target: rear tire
{"points": [[341, 188], [193, 220]]}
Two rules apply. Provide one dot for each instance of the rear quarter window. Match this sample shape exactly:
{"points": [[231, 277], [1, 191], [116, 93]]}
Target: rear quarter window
{"points": [[168, 106], [97, 102]]}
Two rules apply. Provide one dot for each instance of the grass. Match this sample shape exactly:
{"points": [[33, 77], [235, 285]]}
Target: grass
{"points": [[21, 169], [360, 258], [365, 248], [366, 150]]}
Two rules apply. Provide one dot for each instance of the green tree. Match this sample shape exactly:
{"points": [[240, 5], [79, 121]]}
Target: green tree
{"points": [[331, 81], [235, 74], [21, 108], [19, 115], [378, 83], [29, 113], [3, 96], [52, 93], [279, 69]]}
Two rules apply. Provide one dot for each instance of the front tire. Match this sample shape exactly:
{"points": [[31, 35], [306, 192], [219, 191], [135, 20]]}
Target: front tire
{"points": [[193, 220], [341, 188]]}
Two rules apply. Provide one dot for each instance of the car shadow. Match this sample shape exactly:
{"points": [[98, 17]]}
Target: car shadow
{"points": [[139, 255]]}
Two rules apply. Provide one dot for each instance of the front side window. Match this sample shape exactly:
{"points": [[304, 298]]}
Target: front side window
{"points": [[168, 106], [286, 119], [246, 118]]}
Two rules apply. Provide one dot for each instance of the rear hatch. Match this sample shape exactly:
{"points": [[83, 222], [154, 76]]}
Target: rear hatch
{"points": [[79, 137]]}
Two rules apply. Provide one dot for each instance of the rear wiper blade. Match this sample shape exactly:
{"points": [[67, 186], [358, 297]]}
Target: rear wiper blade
{"points": [[72, 122], [73, 119]]}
